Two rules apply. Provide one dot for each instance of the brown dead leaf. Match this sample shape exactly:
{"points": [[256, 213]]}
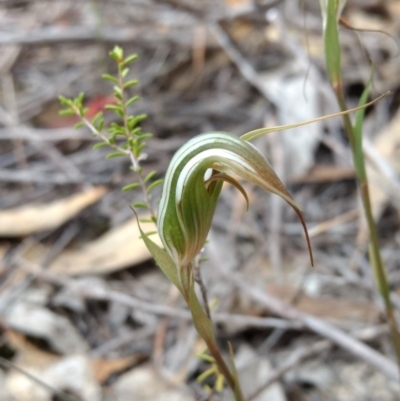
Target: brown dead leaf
{"points": [[29, 354], [327, 308], [32, 218], [238, 3], [119, 248], [104, 368]]}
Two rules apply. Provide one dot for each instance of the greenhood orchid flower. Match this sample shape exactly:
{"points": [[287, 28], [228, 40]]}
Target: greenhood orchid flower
{"points": [[193, 183], [192, 186]]}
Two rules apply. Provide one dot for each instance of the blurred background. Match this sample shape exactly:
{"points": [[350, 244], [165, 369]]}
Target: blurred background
{"points": [[84, 312]]}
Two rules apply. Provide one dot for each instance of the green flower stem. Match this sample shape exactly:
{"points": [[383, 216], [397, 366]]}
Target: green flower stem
{"points": [[204, 327], [182, 277], [377, 263], [333, 61]]}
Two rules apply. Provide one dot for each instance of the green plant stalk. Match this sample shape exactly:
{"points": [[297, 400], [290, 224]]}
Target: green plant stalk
{"points": [[204, 327], [333, 61], [183, 279]]}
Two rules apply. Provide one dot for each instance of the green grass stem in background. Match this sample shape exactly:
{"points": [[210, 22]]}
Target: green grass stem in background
{"points": [[331, 10]]}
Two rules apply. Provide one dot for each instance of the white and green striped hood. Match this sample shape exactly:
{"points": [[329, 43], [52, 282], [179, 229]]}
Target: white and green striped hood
{"points": [[193, 183]]}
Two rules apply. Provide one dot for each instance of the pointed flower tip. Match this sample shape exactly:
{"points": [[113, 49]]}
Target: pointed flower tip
{"points": [[193, 183]]}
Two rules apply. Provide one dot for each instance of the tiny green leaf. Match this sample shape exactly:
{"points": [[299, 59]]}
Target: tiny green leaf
{"points": [[99, 145], [154, 185], [148, 233], [150, 176], [130, 83], [145, 136], [161, 257], [114, 107], [129, 187], [115, 154], [132, 100], [146, 220], [207, 373], [66, 112], [129, 59], [117, 91], [110, 78], [79, 125], [97, 117], [64, 101], [140, 205], [100, 126]]}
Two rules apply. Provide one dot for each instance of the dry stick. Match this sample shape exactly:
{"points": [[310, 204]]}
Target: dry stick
{"points": [[11, 100], [295, 359], [245, 68], [9, 175], [162, 310], [62, 394], [71, 172], [301, 355], [322, 328], [326, 330], [159, 337]]}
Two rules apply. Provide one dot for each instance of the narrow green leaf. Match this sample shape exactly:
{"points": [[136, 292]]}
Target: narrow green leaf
{"points": [[154, 185], [99, 145], [332, 44], [97, 117], [128, 84], [129, 59], [64, 101], [146, 220], [66, 112], [80, 97], [100, 126], [136, 131], [132, 100], [130, 186], [207, 373], [115, 154], [201, 322], [140, 205], [145, 136], [219, 384], [124, 72], [114, 107], [206, 358], [150, 176], [117, 91], [148, 233], [79, 125], [163, 260], [110, 78], [139, 149]]}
